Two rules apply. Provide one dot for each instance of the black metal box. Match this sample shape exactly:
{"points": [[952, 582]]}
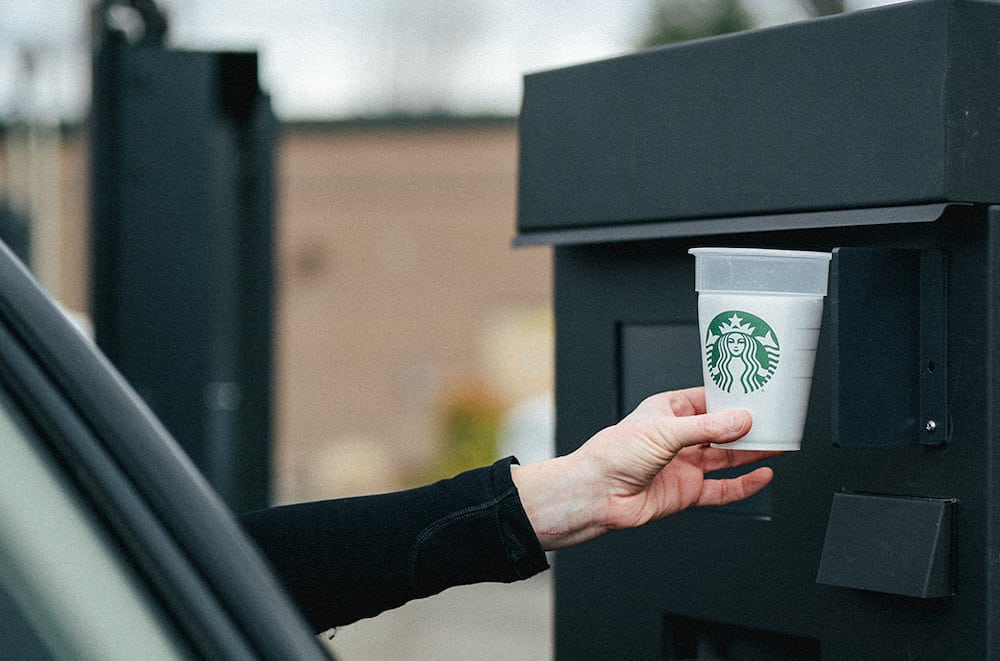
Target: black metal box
{"points": [[870, 135]]}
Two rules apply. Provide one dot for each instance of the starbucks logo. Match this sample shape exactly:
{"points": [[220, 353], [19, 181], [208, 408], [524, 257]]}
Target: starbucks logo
{"points": [[741, 351]]}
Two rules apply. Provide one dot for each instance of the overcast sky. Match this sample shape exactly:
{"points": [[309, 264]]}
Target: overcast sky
{"points": [[342, 58]]}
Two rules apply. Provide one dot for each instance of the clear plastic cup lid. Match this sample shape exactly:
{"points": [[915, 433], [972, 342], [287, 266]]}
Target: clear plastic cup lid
{"points": [[759, 270]]}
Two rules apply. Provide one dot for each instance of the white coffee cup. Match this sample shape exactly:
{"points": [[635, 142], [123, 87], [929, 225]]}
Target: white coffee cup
{"points": [[759, 312]]}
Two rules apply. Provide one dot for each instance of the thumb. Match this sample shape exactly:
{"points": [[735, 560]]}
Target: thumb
{"points": [[718, 427]]}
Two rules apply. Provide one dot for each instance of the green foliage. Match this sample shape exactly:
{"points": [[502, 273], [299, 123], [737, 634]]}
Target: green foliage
{"points": [[470, 426], [823, 7], [683, 20], [674, 21]]}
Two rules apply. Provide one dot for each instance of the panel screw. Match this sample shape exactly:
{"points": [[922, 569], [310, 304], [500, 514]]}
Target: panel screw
{"points": [[930, 427]]}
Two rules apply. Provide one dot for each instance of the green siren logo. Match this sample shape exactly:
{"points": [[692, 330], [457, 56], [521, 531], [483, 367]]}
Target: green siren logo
{"points": [[741, 351]]}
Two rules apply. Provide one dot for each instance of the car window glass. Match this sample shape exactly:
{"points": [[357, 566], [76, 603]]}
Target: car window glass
{"points": [[66, 591]]}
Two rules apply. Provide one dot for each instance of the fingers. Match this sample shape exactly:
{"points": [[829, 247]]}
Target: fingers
{"points": [[673, 403], [692, 430], [714, 459], [688, 402], [724, 492]]}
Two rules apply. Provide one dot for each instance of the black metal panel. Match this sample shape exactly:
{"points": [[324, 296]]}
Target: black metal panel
{"points": [[889, 107], [753, 577], [689, 638], [888, 324], [182, 250], [705, 227], [15, 230], [889, 544], [657, 357]]}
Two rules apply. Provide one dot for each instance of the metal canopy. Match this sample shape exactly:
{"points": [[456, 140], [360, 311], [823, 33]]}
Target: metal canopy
{"points": [[891, 107]]}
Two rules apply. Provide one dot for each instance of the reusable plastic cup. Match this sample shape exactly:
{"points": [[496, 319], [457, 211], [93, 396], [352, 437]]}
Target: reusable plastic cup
{"points": [[759, 312]]}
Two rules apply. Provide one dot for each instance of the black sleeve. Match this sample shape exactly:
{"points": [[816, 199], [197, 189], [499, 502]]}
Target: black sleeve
{"points": [[346, 559]]}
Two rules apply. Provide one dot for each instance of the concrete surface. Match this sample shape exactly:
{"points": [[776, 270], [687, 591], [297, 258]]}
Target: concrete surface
{"points": [[471, 623]]}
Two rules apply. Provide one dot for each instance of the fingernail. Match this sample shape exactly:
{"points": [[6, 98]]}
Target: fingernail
{"points": [[736, 420]]}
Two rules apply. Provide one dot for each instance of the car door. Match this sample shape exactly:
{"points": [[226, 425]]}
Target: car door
{"points": [[112, 546]]}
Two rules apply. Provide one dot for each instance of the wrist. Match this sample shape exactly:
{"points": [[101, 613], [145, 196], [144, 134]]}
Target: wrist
{"points": [[560, 500]]}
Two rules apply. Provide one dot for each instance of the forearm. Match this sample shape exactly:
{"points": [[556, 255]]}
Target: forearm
{"points": [[342, 560]]}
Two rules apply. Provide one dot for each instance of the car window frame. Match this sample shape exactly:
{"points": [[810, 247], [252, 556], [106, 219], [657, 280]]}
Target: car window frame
{"points": [[182, 538], [74, 588]]}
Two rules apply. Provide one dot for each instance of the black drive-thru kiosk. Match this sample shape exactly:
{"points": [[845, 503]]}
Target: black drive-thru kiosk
{"points": [[874, 135]]}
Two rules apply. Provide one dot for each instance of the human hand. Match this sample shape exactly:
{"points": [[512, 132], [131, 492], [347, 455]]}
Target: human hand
{"points": [[648, 466]]}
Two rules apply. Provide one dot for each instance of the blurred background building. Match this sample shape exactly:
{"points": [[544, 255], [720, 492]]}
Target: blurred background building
{"points": [[409, 330], [410, 339]]}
